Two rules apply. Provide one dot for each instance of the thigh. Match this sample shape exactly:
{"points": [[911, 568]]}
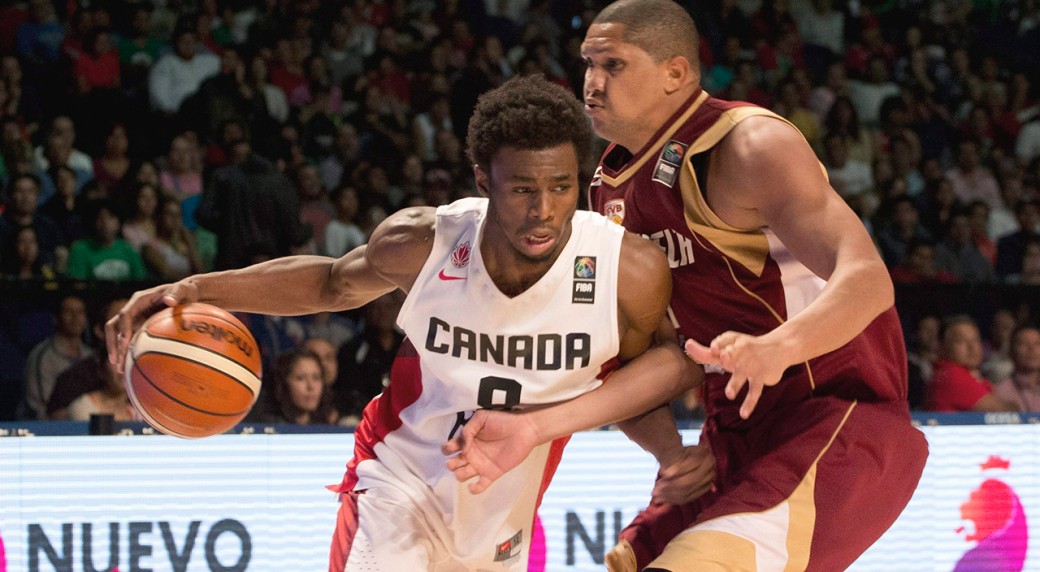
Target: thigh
{"points": [[812, 503], [378, 534]]}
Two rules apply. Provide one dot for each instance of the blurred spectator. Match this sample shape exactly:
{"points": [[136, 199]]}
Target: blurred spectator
{"points": [[852, 179], [922, 354], [970, 179], [842, 119], [364, 362], [958, 254], [1027, 144], [39, 38], [300, 395], [343, 233], [428, 123], [54, 355], [61, 207], [957, 384], [179, 73], [1011, 248], [978, 219], [789, 106], [139, 227], [109, 399], [223, 97], [97, 68], [1030, 274], [919, 266], [902, 228], [251, 207], [183, 172], [104, 255], [57, 153], [316, 210], [868, 93], [88, 374], [23, 197], [326, 354], [112, 166], [996, 365], [20, 100], [138, 48], [276, 104], [20, 258], [939, 205], [1022, 387], [335, 169], [171, 254]]}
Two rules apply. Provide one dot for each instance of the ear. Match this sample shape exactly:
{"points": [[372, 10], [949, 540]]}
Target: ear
{"points": [[483, 181], [678, 73]]}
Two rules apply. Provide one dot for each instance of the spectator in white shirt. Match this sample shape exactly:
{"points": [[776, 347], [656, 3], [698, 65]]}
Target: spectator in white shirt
{"points": [[178, 74]]}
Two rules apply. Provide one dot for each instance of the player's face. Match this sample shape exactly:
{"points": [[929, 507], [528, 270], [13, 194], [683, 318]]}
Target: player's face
{"points": [[624, 87], [533, 195]]}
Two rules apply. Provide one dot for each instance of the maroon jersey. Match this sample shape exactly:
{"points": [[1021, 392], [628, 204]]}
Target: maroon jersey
{"points": [[727, 278]]}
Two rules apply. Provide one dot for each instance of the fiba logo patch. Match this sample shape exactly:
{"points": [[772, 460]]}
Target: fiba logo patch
{"points": [[1000, 527], [460, 256], [584, 288]]}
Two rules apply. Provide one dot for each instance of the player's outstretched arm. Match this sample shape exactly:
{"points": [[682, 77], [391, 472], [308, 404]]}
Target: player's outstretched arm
{"points": [[293, 285]]}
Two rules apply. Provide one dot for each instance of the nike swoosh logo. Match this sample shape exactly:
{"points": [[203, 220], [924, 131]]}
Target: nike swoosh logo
{"points": [[445, 277]]}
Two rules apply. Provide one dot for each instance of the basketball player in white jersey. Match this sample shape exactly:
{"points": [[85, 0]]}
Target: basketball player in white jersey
{"points": [[513, 300]]}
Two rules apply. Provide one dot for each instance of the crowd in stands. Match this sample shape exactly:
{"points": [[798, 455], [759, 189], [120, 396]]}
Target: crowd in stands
{"points": [[147, 140]]}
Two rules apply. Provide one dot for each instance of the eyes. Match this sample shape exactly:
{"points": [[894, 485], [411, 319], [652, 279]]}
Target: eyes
{"points": [[611, 65], [558, 189]]}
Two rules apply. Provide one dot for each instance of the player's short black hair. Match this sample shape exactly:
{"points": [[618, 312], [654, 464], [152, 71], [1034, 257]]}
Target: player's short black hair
{"points": [[529, 113], [661, 28]]}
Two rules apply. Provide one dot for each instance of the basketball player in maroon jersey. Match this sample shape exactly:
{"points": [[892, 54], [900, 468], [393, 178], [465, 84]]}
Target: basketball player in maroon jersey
{"points": [[779, 292]]}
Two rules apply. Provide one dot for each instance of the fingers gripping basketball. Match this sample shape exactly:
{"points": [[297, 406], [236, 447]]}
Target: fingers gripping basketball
{"points": [[193, 371]]}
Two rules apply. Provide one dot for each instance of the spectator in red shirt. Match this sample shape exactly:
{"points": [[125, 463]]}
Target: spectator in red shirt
{"points": [[957, 384], [98, 65]]}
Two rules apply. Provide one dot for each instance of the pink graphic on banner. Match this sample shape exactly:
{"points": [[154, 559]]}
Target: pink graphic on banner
{"points": [[1000, 526], [536, 560], [3, 556]]}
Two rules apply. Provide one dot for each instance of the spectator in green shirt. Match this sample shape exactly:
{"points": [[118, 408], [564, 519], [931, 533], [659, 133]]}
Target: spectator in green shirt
{"points": [[104, 256]]}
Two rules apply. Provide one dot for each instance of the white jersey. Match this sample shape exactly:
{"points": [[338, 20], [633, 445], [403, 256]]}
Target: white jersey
{"points": [[479, 348]]}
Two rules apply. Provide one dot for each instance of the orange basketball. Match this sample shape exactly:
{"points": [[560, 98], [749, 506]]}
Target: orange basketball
{"points": [[193, 371]]}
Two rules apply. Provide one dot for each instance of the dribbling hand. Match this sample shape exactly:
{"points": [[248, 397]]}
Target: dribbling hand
{"points": [[490, 444], [119, 330], [687, 477], [750, 359]]}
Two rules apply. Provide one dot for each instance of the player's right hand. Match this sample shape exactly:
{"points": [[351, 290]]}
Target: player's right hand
{"points": [[119, 330]]}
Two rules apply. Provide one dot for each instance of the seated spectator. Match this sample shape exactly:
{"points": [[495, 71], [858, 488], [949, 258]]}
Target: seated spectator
{"points": [[364, 362], [316, 210], [922, 353], [996, 363], [918, 266], [112, 167], [902, 229], [343, 233], [104, 256], [179, 73], [139, 227], [300, 394], [23, 199], [957, 384], [88, 374], [171, 254], [20, 257], [51, 357], [182, 175], [842, 119], [1011, 247], [62, 206], [852, 179], [1022, 387], [97, 68], [109, 399], [1030, 274], [973, 181], [958, 254]]}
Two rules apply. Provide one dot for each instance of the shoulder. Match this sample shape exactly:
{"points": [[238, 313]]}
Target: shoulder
{"points": [[762, 137], [402, 236]]}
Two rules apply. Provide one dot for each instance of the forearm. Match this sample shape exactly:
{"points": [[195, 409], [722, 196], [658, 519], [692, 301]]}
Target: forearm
{"points": [[852, 299], [652, 379], [288, 286], [656, 432]]}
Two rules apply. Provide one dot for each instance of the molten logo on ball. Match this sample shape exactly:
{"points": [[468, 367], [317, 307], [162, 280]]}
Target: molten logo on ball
{"points": [[218, 334]]}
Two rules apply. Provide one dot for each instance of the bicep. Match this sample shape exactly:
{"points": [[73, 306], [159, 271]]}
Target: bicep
{"points": [[644, 291], [771, 169]]}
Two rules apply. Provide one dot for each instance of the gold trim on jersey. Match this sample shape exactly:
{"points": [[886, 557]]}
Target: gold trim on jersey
{"points": [[651, 152]]}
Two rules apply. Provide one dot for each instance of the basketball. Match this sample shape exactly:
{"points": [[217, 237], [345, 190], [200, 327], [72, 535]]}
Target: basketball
{"points": [[193, 371]]}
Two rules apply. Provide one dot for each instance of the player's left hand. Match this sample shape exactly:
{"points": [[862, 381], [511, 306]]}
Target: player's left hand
{"points": [[688, 477], [752, 360], [488, 445]]}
